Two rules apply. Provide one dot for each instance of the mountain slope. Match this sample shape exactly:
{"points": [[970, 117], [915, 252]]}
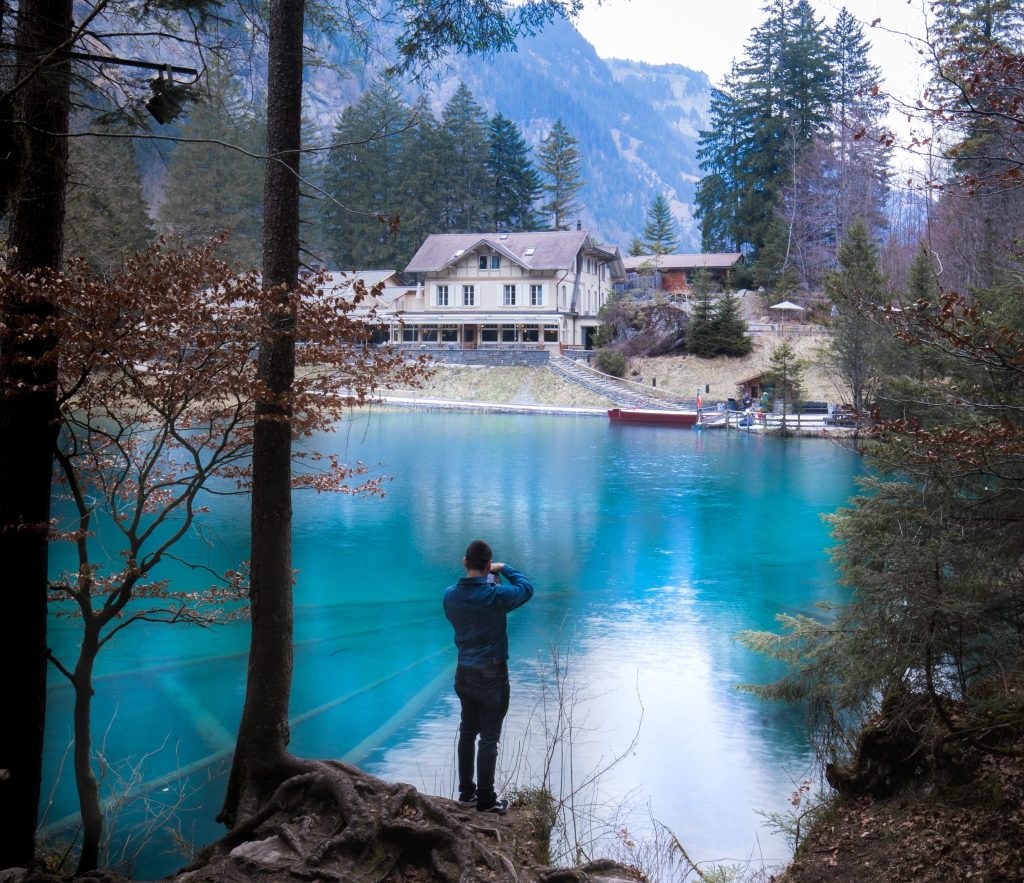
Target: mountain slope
{"points": [[636, 124]]}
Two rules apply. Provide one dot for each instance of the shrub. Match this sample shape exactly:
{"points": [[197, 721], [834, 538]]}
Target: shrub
{"points": [[611, 362]]}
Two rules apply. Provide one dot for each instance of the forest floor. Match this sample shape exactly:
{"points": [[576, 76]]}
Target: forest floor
{"points": [[970, 831], [678, 374]]}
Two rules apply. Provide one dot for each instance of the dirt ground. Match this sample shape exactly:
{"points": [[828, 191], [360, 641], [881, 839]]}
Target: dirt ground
{"points": [[928, 835]]}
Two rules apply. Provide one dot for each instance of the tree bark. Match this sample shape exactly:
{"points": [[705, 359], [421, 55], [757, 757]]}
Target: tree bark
{"points": [[28, 413], [261, 760], [85, 780]]}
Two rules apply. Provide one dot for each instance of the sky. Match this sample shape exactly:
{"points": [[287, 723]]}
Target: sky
{"points": [[707, 35]]}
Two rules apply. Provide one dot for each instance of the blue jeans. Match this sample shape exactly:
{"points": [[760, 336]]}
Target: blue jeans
{"points": [[483, 693]]}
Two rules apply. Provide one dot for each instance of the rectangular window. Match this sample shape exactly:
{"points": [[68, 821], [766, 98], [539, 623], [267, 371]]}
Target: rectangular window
{"points": [[508, 334], [531, 334], [483, 262], [489, 334], [429, 334], [495, 262], [409, 334], [442, 295], [469, 295], [536, 295], [551, 335], [450, 334], [510, 295]]}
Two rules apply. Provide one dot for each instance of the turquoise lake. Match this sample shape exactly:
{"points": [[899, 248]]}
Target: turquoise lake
{"points": [[650, 548]]}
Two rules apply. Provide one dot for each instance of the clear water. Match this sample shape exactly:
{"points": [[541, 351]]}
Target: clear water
{"points": [[650, 549]]}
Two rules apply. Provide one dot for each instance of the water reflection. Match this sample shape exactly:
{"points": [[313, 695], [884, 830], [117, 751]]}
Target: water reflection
{"points": [[650, 549]]}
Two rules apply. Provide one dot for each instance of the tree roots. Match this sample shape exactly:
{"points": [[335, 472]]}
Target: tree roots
{"points": [[333, 822]]}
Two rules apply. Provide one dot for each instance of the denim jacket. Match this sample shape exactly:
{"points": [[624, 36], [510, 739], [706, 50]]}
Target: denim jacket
{"points": [[477, 608]]}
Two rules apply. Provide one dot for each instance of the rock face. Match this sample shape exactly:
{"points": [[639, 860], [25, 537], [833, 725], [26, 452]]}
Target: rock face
{"points": [[636, 123]]}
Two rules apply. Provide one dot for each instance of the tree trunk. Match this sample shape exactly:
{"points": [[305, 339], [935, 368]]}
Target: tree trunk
{"points": [[28, 424], [261, 759], [85, 780]]}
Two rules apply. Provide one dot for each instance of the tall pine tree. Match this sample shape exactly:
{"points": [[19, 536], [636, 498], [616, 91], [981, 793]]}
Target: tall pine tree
{"points": [[513, 182], [561, 165], [364, 175], [463, 160], [661, 232]]}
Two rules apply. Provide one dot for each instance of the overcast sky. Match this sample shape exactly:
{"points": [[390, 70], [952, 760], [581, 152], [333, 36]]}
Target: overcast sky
{"points": [[707, 35]]}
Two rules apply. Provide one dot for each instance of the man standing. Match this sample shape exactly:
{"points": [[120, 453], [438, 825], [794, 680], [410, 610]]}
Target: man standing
{"points": [[476, 607]]}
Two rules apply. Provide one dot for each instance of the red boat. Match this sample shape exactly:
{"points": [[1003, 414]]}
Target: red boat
{"points": [[650, 415]]}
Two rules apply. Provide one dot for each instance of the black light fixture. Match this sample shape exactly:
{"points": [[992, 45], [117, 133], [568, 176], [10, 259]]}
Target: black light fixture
{"points": [[168, 98]]}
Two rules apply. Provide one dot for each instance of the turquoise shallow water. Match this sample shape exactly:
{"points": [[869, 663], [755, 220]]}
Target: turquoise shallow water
{"points": [[650, 548]]}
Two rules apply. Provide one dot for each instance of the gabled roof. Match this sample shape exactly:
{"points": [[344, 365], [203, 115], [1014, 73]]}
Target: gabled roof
{"points": [[552, 249], [714, 261]]}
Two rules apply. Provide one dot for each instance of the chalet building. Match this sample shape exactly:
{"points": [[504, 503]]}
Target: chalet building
{"points": [[673, 274], [499, 290]]}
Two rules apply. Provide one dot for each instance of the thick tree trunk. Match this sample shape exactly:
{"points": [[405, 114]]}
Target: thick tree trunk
{"points": [[28, 424], [261, 760]]}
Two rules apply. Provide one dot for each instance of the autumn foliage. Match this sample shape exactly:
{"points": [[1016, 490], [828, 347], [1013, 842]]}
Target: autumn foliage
{"points": [[157, 387]]}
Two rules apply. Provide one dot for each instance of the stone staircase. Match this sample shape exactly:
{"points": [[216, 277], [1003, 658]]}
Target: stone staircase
{"points": [[624, 393]]}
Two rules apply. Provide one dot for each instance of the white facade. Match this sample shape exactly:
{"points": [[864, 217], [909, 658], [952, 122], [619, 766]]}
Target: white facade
{"points": [[523, 289]]}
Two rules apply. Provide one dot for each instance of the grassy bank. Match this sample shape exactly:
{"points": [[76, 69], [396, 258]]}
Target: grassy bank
{"points": [[517, 386], [679, 374], [686, 374]]}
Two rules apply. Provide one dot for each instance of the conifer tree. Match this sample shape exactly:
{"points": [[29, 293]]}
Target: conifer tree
{"points": [[107, 218], [855, 348], [785, 373], [719, 197], [364, 173], [773, 105], [463, 163], [730, 328], [637, 248], [661, 232], [700, 330], [514, 183], [561, 164], [212, 188]]}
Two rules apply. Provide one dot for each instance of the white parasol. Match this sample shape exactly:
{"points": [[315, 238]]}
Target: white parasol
{"points": [[787, 306]]}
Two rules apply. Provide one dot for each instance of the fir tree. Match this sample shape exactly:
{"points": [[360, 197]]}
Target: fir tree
{"points": [[861, 156], [773, 105], [107, 219], [729, 327], [463, 160], [855, 348], [560, 163], [513, 181], [364, 174], [701, 337], [212, 188], [785, 373], [637, 248], [661, 233]]}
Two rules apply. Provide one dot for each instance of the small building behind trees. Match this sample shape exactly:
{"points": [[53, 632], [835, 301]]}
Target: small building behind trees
{"points": [[675, 274]]}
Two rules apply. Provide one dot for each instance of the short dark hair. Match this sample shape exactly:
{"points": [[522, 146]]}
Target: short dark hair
{"points": [[478, 555]]}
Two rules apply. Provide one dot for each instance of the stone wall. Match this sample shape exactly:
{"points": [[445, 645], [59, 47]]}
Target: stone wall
{"points": [[505, 358]]}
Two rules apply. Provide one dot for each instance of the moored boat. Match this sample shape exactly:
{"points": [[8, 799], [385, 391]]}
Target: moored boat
{"points": [[652, 415]]}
